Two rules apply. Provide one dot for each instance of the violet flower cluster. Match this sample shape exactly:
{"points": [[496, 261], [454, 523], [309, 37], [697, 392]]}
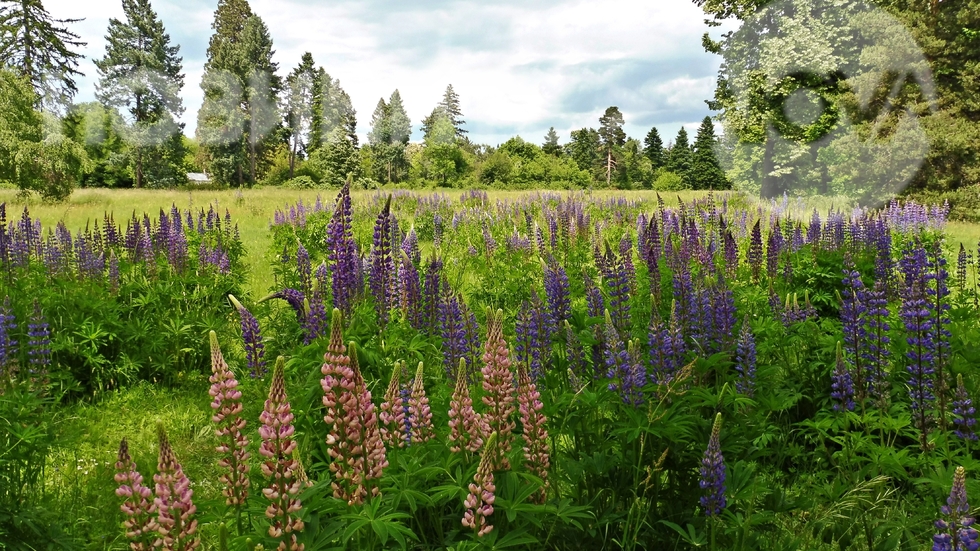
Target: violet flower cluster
{"points": [[251, 338], [745, 360], [956, 531], [919, 332], [713, 473], [964, 414], [345, 263], [842, 384], [382, 275], [8, 345], [533, 327], [38, 347], [626, 376], [556, 289]]}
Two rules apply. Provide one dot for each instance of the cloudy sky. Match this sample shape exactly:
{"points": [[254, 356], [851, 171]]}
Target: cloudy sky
{"points": [[519, 66]]}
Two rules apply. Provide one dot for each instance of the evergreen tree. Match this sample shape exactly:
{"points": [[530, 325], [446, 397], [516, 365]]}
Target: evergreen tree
{"points": [[401, 125], [613, 137], [653, 149], [551, 146], [239, 114], [42, 50], [141, 72], [706, 172], [679, 157], [450, 103], [300, 87], [380, 133]]}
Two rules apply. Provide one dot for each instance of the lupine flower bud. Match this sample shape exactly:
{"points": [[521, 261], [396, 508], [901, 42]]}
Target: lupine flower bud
{"points": [[227, 406], [535, 437], [963, 411], [279, 466], [138, 504], [254, 348], [956, 532], [466, 426], [296, 300], [419, 411], [175, 509], [479, 502], [713, 473], [498, 387], [392, 414], [745, 357]]}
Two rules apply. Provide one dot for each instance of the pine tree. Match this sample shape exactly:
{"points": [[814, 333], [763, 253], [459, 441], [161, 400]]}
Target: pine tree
{"points": [[261, 90], [679, 157], [613, 137], [551, 146], [300, 87], [380, 133], [41, 49], [706, 172], [401, 125], [450, 103], [141, 72], [585, 148], [653, 149]]}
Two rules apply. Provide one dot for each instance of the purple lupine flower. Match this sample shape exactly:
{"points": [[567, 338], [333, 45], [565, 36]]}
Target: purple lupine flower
{"points": [[755, 251], [853, 317], [453, 331], [4, 237], [593, 298], [713, 473], [296, 300], [252, 339], [616, 276], [842, 385], [538, 236], [774, 247], [626, 257], [663, 363], [621, 370], [556, 288], [918, 321], [533, 346], [730, 252], [745, 359], [345, 268], [411, 246], [315, 325], [409, 292], [304, 269], [436, 230], [956, 532], [939, 304], [877, 347], [489, 242], [8, 345], [381, 277], [963, 411], [38, 347], [722, 315], [961, 264]]}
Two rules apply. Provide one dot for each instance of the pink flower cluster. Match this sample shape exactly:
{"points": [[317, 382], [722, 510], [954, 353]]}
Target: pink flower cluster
{"points": [[392, 413], [227, 406], [420, 415], [279, 466], [466, 426], [138, 504], [175, 509], [479, 502], [498, 386], [353, 437], [535, 436]]}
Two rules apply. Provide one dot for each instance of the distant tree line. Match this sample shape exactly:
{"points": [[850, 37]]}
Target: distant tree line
{"points": [[257, 127]]}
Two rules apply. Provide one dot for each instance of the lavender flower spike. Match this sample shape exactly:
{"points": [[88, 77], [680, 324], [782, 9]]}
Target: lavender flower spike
{"points": [[254, 348], [713, 473], [956, 532]]}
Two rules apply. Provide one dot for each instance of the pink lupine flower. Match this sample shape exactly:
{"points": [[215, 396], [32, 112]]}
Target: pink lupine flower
{"points": [[141, 529], [279, 466], [466, 426], [392, 412], [498, 385], [227, 406], [375, 457], [479, 502], [342, 418], [174, 506], [418, 409], [535, 437]]}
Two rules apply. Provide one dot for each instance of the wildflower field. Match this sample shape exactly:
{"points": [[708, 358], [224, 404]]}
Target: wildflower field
{"points": [[418, 370]]}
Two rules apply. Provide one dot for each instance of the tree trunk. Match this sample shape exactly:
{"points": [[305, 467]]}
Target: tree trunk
{"points": [[139, 167], [608, 166], [292, 158]]}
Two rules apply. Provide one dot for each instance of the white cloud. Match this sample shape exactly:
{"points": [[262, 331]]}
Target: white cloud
{"points": [[518, 67]]}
